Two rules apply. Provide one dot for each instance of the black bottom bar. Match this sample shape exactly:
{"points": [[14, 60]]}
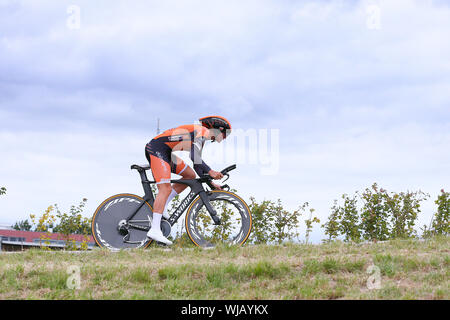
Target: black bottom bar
{"points": [[239, 309]]}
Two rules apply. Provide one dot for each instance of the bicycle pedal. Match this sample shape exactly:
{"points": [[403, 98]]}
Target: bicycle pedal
{"points": [[165, 228]]}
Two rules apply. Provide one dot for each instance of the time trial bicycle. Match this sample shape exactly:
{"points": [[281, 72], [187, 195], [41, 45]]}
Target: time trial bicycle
{"points": [[213, 216]]}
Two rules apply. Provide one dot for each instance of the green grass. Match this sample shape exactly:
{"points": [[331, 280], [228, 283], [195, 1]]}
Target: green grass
{"points": [[408, 270]]}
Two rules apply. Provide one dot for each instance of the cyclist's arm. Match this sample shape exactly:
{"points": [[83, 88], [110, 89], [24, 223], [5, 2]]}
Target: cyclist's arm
{"points": [[196, 156]]}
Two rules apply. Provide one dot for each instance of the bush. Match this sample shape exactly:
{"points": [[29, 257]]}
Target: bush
{"points": [[309, 224], [380, 216], [348, 214], [261, 221], [73, 223], [344, 220], [404, 209], [374, 216], [285, 223], [332, 226], [440, 222], [64, 223], [44, 224], [272, 223]]}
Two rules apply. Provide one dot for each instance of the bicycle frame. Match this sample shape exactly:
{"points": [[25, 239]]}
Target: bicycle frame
{"points": [[196, 186]]}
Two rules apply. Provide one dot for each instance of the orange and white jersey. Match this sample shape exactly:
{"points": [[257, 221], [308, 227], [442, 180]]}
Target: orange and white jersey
{"points": [[190, 138], [183, 137]]}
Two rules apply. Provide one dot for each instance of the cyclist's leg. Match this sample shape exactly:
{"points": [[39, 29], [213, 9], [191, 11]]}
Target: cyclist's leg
{"points": [[158, 155], [181, 168], [161, 171], [164, 189]]}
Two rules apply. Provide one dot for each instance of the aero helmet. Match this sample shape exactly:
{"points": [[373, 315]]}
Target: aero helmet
{"points": [[217, 122]]}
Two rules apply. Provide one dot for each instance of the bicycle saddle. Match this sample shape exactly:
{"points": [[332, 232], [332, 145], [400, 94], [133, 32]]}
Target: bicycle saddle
{"points": [[142, 167]]}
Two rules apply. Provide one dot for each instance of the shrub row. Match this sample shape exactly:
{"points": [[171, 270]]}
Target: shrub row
{"points": [[373, 214]]}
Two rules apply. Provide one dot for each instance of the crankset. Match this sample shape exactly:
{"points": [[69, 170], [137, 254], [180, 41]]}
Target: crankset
{"points": [[124, 229]]}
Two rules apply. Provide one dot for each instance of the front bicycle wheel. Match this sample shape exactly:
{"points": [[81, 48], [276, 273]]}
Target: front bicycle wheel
{"points": [[109, 229], [234, 214]]}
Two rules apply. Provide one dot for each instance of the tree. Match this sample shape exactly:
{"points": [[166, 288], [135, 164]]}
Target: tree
{"points": [[2, 190], [23, 225]]}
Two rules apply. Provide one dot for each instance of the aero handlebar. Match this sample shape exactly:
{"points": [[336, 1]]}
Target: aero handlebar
{"points": [[228, 169], [207, 178]]}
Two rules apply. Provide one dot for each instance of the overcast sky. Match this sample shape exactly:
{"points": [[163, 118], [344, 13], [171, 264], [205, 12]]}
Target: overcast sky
{"points": [[348, 92]]}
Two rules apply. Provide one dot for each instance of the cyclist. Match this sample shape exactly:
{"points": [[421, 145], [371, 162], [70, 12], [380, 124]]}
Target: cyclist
{"points": [[163, 162]]}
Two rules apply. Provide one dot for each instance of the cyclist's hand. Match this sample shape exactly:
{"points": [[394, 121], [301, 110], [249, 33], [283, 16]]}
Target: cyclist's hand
{"points": [[215, 175], [216, 186]]}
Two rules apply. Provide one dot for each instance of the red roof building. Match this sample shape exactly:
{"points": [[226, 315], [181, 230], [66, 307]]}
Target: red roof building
{"points": [[38, 237]]}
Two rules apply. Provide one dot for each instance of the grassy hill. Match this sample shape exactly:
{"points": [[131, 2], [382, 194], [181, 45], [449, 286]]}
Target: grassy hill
{"points": [[408, 269]]}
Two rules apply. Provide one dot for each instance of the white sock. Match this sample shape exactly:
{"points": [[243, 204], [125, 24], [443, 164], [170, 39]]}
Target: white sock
{"points": [[156, 222], [171, 196]]}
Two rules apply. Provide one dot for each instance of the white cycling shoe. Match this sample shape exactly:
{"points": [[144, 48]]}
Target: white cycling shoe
{"points": [[157, 235]]}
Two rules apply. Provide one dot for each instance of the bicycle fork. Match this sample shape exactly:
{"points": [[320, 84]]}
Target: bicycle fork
{"points": [[197, 189], [209, 207]]}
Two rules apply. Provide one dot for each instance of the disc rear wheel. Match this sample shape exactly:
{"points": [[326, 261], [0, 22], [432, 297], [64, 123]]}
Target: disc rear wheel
{"points": [[110, 228]]}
